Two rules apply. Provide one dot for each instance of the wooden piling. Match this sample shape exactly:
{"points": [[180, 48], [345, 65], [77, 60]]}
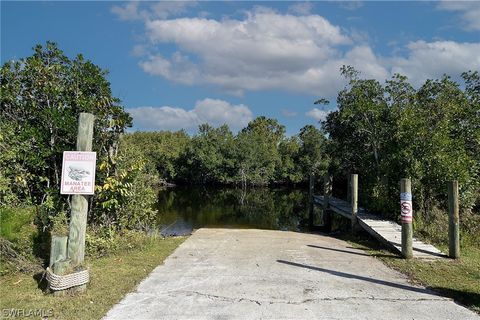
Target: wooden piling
{"points": [[78, 220], [60, 268], [354, 200], [453, 220], [327, 190], [406, 206], [327, 212], [349, 188], [58, 249], [311, 189]]}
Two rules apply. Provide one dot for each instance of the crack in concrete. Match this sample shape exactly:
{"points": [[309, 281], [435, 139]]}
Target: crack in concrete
{"points": [[311, 300]]}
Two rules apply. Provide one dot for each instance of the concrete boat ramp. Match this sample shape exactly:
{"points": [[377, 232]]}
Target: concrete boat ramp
{"points": [[260, 274]]}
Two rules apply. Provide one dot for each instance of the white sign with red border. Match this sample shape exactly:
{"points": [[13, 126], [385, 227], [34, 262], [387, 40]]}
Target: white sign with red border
{"points": [[78, 172], [406, 207]]}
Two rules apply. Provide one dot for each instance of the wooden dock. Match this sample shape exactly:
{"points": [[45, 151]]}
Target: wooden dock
{"points": [[388, 232]]}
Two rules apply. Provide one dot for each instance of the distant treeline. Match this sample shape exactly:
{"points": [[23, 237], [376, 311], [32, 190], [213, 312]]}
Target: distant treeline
{"points": [[382, 131], [258, 155]]}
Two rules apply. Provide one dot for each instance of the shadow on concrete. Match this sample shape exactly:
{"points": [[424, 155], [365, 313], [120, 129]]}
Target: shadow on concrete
{"points": [[353, 276], [350, 252], [424, 251]]}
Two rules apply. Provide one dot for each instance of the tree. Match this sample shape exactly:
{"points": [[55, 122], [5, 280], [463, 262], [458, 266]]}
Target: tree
{"points": [[208, 157], [257, 155], [41, 98]]}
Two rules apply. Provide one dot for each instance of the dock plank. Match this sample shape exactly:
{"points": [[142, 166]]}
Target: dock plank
{"points": [[386, 231]]}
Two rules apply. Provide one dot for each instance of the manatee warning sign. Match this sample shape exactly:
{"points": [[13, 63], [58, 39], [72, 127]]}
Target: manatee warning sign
{"points": [[78, 172]]}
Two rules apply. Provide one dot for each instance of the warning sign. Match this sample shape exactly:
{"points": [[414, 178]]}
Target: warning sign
{"points": [[406, 207], [78, 172]]}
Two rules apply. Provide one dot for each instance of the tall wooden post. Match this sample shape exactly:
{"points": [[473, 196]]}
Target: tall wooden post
{"points": [[311, 189], [453, 220], [354, 200], [327, 190], [349, 188], [78, 219], [406, 207], [327, 193]]}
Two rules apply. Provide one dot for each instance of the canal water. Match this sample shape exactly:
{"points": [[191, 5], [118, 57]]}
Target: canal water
{"points": [[182, 209]]}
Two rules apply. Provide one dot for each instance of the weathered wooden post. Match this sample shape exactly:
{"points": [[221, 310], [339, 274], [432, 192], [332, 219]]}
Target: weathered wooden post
{"points": [[311, 189], [78, 219], [327, 193], [58, 249], [349, 188], [406, 217], [453, 220], [354, 200]]}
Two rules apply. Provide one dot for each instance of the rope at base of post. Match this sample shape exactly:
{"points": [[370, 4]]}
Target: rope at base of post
{"points": [[67, 281]]}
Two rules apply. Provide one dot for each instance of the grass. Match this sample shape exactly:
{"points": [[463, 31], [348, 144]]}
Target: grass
{"points": [[111, 278], [459, 280]]}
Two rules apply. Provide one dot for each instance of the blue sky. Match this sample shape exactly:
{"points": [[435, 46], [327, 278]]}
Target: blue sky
{"points": [[177, 64]]}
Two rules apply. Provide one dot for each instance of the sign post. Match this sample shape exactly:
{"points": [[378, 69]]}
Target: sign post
{"points": [[78, 178], [406, 217]]}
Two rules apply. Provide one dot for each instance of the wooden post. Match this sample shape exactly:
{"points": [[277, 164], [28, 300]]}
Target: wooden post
{"points": [[311, 189], [327, 193], [406, 207], [78, 219], [349, 188], [354, 200], [58, 254], [453, 220], [60, 268], [58, 249]]}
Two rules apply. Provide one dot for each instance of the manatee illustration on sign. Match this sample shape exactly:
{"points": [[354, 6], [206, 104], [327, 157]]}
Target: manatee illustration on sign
{"points": [[78, 172]]}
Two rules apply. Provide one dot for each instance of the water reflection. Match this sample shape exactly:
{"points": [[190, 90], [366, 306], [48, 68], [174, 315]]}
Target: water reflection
{"points": [[182, 209]]}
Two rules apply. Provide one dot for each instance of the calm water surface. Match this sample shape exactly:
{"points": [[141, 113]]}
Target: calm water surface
{"points": [[182, 209]]}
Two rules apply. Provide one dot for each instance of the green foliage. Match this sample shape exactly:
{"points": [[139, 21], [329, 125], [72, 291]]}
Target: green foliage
{"points": [[15, 223], [41, 98], [162, 149], [208, 156], [18, 239], [388, 132], [125, 198], [257, 156]]}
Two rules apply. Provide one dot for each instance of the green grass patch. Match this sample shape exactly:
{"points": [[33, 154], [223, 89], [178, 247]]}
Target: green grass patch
{"points": [[16, 223], [456, 279], [112, 277]]}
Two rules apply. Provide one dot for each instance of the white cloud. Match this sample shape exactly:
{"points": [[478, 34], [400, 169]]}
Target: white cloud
{"points": [[433, 59], [213, 111], [301, 8], [129, 11], [351, 5], [267, 50], [317, 114], [163, 9], [178, 68], [469, 12]]}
